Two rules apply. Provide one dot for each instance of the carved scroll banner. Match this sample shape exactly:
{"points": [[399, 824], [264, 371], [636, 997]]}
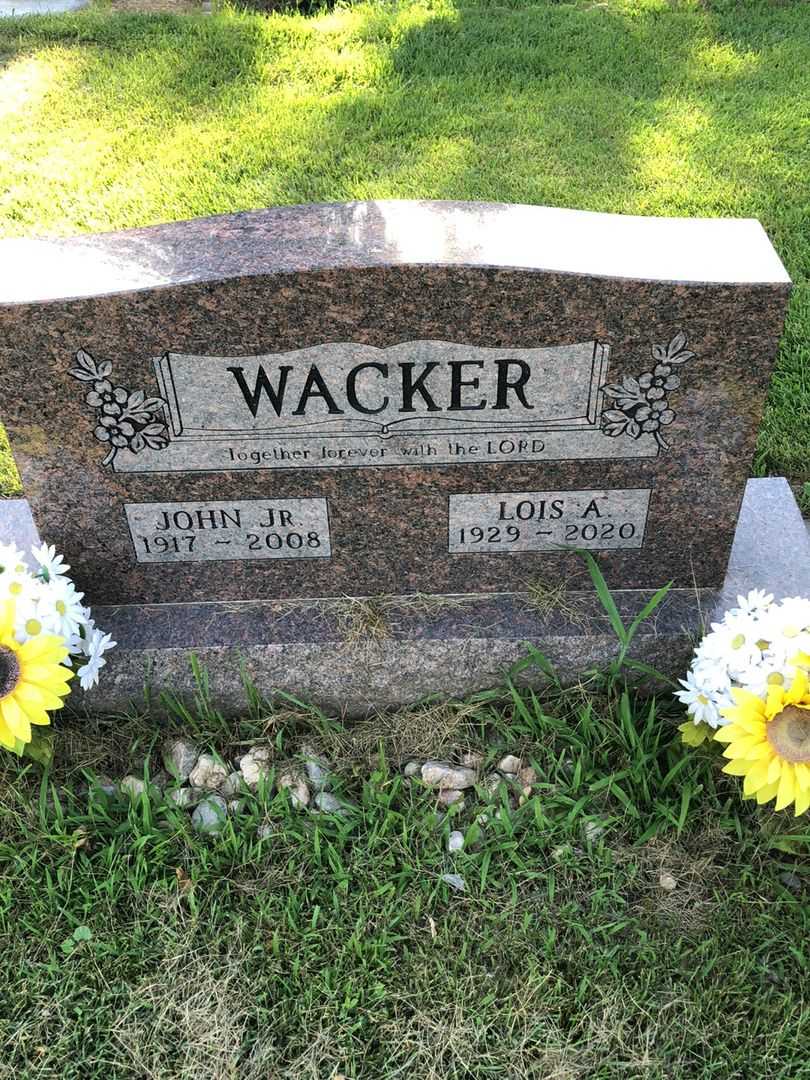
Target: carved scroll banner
{"points": [[349, 405]]}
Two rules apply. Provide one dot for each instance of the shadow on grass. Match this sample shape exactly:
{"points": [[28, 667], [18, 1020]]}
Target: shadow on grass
{"points": [[674, 112]]}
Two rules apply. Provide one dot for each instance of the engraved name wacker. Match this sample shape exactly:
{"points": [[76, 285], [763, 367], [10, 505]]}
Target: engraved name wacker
{"points": [[349, 405], [356, 404]]}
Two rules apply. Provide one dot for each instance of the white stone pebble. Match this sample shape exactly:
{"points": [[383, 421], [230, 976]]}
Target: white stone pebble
{"points": [[210, 814], [438, 774], [291, 780], [231, 785], [527, 776], [208, 774], [255, 766], [184, 797], [180, 757], [105, 784], [328, 804], [133, 786], [455, 841], [317, 769], [667, 881], [455, 881]]}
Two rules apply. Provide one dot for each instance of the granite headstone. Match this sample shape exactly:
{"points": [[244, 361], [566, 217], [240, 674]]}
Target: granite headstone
{"points": [[386, 398]]}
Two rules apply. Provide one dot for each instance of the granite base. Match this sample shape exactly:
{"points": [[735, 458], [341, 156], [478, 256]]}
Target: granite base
{"points": [[354, 656]]}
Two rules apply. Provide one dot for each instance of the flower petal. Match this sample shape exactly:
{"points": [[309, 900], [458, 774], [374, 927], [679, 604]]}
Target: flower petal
{"points": [[28, 694], [802, 774], [737, 767], [774, 770], [756, 777], [787, 790], [6, 738], [748, 701], [44, 646], [752, 726], [15, 719], [766, 793], [798, 688], [749, 747], [775, 701], [53, 677], [728, 733]]}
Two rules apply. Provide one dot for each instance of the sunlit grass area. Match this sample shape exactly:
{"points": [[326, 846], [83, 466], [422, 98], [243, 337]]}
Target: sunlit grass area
{"points": [[632, 920], [631, 917], [647, 108]]}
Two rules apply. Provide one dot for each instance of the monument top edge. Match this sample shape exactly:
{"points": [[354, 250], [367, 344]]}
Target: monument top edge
{"points": [[358, 235]]}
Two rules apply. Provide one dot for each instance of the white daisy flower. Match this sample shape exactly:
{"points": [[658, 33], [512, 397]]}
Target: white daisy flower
{"points": [[789, 620], [18, 585], [722, 699], [757, 678], [94, 647], [88, 673], [31, 618], [754, 646], [753, 603], [735, 641], [51, 565], [712, 677], [12, 560], [698, 700], [64, 603]]}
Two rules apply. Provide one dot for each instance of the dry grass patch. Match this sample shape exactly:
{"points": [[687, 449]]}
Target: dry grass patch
{"points": [[425, 731], [189, 1019]]}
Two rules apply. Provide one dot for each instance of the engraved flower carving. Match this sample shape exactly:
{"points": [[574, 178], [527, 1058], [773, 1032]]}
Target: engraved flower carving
{"points": [[112, 430], [125, 419], [640, 405], [107, 397]]}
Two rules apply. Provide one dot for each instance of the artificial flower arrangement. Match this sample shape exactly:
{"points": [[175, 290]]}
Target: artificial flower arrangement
{"points": [[749, 687], [45, 630]]}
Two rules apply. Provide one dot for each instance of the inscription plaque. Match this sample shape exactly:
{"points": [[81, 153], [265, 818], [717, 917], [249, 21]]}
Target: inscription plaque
{"points": [[509, 522], [211, 531], [347, 405]]}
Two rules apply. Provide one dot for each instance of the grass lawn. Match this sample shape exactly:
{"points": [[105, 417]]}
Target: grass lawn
{"points": [[132, 948], [649, 107]]}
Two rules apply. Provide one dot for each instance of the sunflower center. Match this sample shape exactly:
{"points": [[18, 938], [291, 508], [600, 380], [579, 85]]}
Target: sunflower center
{"points": [[789, 734], [9, 671]]}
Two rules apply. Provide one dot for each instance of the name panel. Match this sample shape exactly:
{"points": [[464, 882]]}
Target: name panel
{"points": [[511, 522], [215, 531]]}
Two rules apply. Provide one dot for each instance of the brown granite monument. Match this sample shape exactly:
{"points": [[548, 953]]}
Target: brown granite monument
{"points": [[384, 398]]}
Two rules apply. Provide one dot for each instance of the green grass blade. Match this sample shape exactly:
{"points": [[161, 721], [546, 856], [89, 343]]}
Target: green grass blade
{"points": [[604, 594]]}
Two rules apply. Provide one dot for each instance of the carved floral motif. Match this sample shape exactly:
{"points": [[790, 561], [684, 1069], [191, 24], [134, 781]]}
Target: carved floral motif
{"points": [[642, 404], [125, 419]]}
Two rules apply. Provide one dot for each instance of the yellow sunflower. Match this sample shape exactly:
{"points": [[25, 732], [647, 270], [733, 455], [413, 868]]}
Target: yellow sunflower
{"points": [[769, 743], [32, 680]]}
